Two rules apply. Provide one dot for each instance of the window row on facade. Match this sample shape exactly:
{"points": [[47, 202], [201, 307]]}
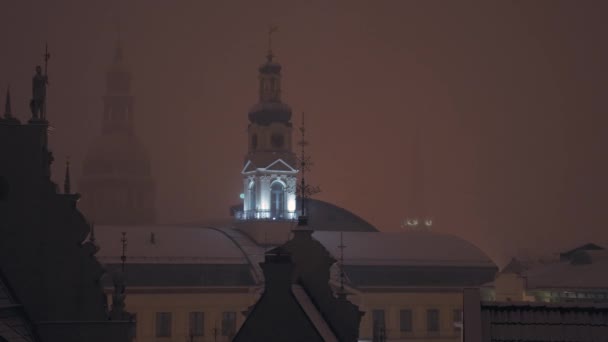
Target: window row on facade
{"points": [[164, 324], [406, 317]]}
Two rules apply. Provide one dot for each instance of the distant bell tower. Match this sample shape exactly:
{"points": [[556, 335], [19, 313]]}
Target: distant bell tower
{"points": [[269, 174], [116, 184]]}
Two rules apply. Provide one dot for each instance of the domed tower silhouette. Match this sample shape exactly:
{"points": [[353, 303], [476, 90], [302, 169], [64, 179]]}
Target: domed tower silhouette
{"points": [[117, 184], [269, 175]]}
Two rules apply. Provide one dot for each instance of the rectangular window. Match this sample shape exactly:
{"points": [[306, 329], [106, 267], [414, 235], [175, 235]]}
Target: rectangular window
{"points": [[379, 324], [197, 324], [163, 324], [457, 318], [228, 323], [405, 320], [134, 326], [432, 320]]}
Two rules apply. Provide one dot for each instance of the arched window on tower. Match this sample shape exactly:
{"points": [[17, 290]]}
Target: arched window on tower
{"points": [[277, 200], [254, 141], [251, 198]]}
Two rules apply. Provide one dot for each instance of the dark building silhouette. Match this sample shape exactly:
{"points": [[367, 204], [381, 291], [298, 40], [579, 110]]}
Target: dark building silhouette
{"points": [[50, 277], [532, 321], [117, 184], [298, 303]]}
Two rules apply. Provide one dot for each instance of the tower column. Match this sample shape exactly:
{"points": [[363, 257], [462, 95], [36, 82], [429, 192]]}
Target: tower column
{"points": [[264, 192]]}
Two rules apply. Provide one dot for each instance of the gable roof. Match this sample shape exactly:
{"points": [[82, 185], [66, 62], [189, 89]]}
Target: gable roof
{"points": [[585, 247], [313, 314], [15, 326]]}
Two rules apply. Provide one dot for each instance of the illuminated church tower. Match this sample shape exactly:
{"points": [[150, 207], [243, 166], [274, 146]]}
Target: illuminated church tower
{"points": [[269, 175], [116, 184]]}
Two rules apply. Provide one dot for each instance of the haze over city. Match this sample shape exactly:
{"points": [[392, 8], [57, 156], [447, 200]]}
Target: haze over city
{"points": [[509, 98]]}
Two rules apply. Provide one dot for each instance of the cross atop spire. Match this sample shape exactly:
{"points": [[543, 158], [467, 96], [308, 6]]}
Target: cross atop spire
{"points": [[67, 186], [118, 53], [272, 29]]}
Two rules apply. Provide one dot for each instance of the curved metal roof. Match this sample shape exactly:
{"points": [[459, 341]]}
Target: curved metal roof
{"points": [[206, 256], [168, 244], [411, 248]]}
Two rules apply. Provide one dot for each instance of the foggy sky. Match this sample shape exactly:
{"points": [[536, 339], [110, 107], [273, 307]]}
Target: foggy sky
{"points": [[510, 97]]}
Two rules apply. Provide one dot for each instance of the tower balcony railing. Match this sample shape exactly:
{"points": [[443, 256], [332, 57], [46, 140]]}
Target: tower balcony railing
{"points": [[266, 215]]}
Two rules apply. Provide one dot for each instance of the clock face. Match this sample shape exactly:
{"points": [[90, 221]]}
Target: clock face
{"points": [[277, 140]]}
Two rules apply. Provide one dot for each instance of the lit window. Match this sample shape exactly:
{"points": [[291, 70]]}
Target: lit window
{"points": [[197, 324], [432, 320], [163, 324]]}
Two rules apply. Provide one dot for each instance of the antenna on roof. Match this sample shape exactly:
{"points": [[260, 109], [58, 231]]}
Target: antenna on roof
{"points": [[304, 190], [342, 246], [123, 257]]}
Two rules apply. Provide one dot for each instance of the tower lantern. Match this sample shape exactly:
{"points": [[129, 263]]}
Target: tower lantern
{"points": [[269, 174]]}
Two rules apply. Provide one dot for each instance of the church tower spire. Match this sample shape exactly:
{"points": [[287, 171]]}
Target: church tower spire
{"points": [[117, 183], [118, 101], [269, 174], [8, 112]]}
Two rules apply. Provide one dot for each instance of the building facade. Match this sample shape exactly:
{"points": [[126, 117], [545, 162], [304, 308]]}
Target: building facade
{"points": [[194, 282], [576, 276]]}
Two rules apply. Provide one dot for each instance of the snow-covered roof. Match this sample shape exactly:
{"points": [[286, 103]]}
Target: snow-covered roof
{"points": [[411, 248], [415, 258], [569, 275], [199, 244], [168, 244]]}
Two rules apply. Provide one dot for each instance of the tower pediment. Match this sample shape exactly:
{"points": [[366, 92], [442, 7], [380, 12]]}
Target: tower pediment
{"points": [[280, 165], [249, 167]]}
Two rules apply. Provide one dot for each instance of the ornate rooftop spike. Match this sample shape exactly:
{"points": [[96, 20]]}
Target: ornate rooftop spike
{"points": [[67, 186], [272, 29], [118, 298], [8, 114], [123, 257]]}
